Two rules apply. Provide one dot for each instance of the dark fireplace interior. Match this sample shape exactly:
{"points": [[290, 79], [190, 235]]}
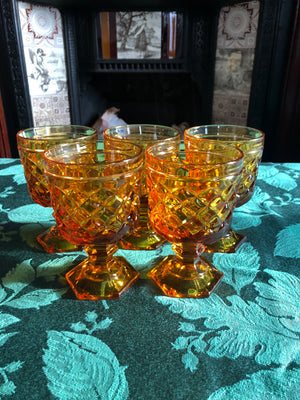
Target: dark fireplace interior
{"points": [[163, 99]]}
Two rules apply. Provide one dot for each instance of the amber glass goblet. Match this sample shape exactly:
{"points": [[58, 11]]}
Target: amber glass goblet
{"points": [[95, 196], [191, 198], [32, 143], [144, 237], [251, 142]]}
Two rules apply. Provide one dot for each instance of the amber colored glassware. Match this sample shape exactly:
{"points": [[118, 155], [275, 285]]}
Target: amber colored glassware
{"points": [[191, 198], [96, 196], [32, 143], [251, 142], [144, 237]]}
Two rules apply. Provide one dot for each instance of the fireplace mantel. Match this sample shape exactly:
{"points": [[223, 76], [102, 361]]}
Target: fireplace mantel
{"points": [[146, 5]]}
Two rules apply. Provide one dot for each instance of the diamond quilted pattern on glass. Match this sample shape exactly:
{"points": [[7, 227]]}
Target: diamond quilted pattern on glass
{"points": [[182, 172]]}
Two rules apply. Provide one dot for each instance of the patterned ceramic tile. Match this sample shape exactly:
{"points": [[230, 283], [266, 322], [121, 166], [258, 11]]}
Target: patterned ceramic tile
{"points": [[236, 42], [45, 63], [233, 109]]}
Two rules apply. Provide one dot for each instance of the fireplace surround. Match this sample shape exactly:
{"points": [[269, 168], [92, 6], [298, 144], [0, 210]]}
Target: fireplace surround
{"points": [[167, 90]]}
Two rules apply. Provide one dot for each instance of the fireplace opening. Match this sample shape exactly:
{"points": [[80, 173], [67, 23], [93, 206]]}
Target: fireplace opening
{"points": [[165, 99]]}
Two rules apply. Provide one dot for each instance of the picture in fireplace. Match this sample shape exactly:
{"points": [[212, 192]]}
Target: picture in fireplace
{"points": [[137, 35]]}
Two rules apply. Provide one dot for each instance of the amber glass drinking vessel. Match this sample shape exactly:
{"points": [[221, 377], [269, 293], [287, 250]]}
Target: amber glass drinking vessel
{"points": [[95, 196], [251, 142], [191, 198], [32, 143], [144, 237]]}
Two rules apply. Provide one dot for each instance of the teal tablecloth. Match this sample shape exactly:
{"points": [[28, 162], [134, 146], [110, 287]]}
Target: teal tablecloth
{"points": [[240, 343]]}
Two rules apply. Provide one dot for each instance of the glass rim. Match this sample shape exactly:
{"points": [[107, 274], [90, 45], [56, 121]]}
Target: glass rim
{"points": [[129, 160], [191, 165], [36, 128], [165, 127], [211, 126]]}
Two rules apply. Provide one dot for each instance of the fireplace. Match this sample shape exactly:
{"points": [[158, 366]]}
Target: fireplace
{"points": [[171, 81]]}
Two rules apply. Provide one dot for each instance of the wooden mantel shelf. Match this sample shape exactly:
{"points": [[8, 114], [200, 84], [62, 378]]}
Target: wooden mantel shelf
{"points": [[146, 5]]}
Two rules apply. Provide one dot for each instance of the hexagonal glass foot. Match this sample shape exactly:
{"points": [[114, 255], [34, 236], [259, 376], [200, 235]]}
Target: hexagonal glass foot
{"points": [[53, 242], [227, 244], [141, 239], [178, 279], [111, 281]]}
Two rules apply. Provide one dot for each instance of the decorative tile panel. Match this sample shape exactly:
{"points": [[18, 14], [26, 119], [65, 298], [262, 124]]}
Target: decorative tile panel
{"points": [[237, 30], [45, 63]]}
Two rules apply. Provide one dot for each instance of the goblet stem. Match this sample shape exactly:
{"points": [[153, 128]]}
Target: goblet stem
{"points": [[189, 255], [186, 274], [144, 212], [143, 237], [101, 276]]}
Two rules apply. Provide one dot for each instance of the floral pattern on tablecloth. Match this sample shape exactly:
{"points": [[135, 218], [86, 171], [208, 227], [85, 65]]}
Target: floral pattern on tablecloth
{"points": [[145, 345]]}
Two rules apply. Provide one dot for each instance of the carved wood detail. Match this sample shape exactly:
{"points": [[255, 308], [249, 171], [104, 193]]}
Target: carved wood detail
{"points": [[287, 133], [4, 143]]}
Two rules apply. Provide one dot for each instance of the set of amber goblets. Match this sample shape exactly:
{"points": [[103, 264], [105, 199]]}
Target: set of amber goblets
{"points": [[136, 189]]}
